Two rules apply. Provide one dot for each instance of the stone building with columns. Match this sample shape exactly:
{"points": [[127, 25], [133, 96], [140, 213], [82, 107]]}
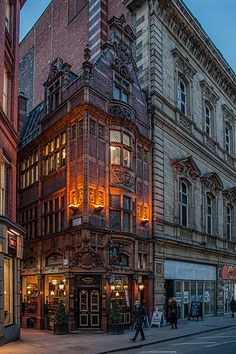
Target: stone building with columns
{"points": [[85, 190], [193, 96]]}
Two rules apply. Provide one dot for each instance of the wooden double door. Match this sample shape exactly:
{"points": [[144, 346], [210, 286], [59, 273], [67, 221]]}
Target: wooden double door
{"points": [[89, 308]]}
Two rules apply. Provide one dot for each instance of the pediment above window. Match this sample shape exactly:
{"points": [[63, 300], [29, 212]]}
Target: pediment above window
{"points": [[212, 182], [228, 114], [208, 92], [186, 167], [230, 195], [183, 64]]}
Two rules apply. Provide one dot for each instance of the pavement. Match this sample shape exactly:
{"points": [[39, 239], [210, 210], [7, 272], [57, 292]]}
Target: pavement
{"points": [[44, 342]]}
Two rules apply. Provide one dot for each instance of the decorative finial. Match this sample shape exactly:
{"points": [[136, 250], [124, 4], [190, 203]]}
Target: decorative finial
{"points": [[87, 53]]}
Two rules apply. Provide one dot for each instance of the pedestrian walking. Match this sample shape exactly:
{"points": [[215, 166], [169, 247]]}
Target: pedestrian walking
{"points": [[173, 313], [139, 316], [233, 306]]}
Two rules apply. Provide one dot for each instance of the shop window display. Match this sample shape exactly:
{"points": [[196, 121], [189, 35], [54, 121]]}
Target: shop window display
{"points": [[8, 291], [120, 293], [55, 293]]}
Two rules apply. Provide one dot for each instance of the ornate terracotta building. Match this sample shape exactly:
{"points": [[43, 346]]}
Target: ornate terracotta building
{"points": [[11, 234], [85, 190]]}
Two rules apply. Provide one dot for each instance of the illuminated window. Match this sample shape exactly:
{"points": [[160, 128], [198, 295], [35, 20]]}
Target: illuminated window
{"points": [[29, 170], [5, 91], [120, 149], [121, 89], [54, 154], [8, 291]]}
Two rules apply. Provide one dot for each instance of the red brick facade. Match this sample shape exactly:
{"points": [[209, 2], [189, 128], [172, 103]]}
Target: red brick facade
{"points": [[65, 28], [87, 201], [11, 232]]}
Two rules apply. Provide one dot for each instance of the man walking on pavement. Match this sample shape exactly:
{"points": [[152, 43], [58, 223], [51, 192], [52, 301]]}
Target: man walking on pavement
{"points": [[233, 306], [139, 315]]}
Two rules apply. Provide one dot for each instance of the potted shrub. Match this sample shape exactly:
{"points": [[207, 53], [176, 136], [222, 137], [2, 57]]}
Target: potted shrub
{"points": [[60, 320], [114, 323]]}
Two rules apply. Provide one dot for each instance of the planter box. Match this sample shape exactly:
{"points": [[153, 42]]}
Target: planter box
{"points": [[115, 328], [61, 328]]}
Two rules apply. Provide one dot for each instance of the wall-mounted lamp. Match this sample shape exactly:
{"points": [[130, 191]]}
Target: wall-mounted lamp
{"points": [[52, 293], [73, 207], [144, 221], [117, 294], [54, 282], [98, 208], [141, 287], [113, 287], [125, 286]]}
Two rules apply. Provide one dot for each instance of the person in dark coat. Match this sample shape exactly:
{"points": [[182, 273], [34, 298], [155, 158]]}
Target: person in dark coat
{"points": [[233, 306], [173, 313], [139, 315], [168, 310]]}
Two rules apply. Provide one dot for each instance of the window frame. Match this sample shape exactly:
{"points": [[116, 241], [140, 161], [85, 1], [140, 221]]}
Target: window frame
{"points": [[182, 104], [123, 148], [50, 214], [209, 215], [54, 95], [8, 15], [6, 82], [123, 88], [183, 207], [123, 211], [229, 217], [208, 119], [54, 155]]}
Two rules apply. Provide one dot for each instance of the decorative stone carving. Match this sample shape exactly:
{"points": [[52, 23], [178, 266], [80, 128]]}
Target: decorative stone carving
{"points": [[81, 193], [91, 196], [183, 64], [230, 195], [86, 257], [119, 110], [228, 114], [186, 167], [121, 178], [209, 93], [212, 182]]}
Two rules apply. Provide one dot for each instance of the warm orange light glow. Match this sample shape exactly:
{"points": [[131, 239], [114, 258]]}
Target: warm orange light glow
{"points": [[144, 221], [73, 207], [99, 207]]}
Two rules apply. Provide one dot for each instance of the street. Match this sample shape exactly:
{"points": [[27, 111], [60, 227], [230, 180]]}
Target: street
{"points": [[218, 342]]}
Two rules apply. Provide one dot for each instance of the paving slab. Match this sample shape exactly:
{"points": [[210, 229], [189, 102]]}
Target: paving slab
{"points": [[44, 342]]}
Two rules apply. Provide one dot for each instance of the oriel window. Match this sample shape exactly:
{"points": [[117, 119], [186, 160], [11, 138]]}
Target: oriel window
{"points": [[121, 89], [120, 148]]}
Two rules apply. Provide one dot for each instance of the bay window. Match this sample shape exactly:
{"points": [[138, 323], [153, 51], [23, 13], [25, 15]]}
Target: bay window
{"points": [[120, 149]]}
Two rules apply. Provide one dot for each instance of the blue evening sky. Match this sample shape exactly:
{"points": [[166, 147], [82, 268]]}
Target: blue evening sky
{"points": [[217, 17]]}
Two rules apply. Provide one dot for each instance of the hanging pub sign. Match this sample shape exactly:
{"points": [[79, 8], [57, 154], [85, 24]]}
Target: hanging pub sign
{"points": [[12, 245]]}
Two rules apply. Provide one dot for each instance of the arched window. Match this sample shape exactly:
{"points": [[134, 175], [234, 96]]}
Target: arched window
{"points": [[209, 213], [182, 96], [183, 204], [228, 138], [208, 120], [228, 222]]}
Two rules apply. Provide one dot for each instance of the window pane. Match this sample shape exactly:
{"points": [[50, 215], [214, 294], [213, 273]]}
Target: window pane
{"points": [[115, 201], [115, 136], [126, 222], [117, 93], [115, 220], [126, 203], [126, 158], [126, 139], [8, 291], [125, 97], [115, 155]]}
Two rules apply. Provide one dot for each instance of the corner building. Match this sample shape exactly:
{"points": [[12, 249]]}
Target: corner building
{"points": [[11, 234], [85, 190], [193, 96]]}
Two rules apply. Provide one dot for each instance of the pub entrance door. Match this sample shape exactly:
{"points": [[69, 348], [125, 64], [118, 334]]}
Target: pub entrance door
{"points": [[89, 306]]}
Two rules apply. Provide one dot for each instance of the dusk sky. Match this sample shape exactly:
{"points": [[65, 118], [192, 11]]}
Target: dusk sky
{"points": [[217, 17]]}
